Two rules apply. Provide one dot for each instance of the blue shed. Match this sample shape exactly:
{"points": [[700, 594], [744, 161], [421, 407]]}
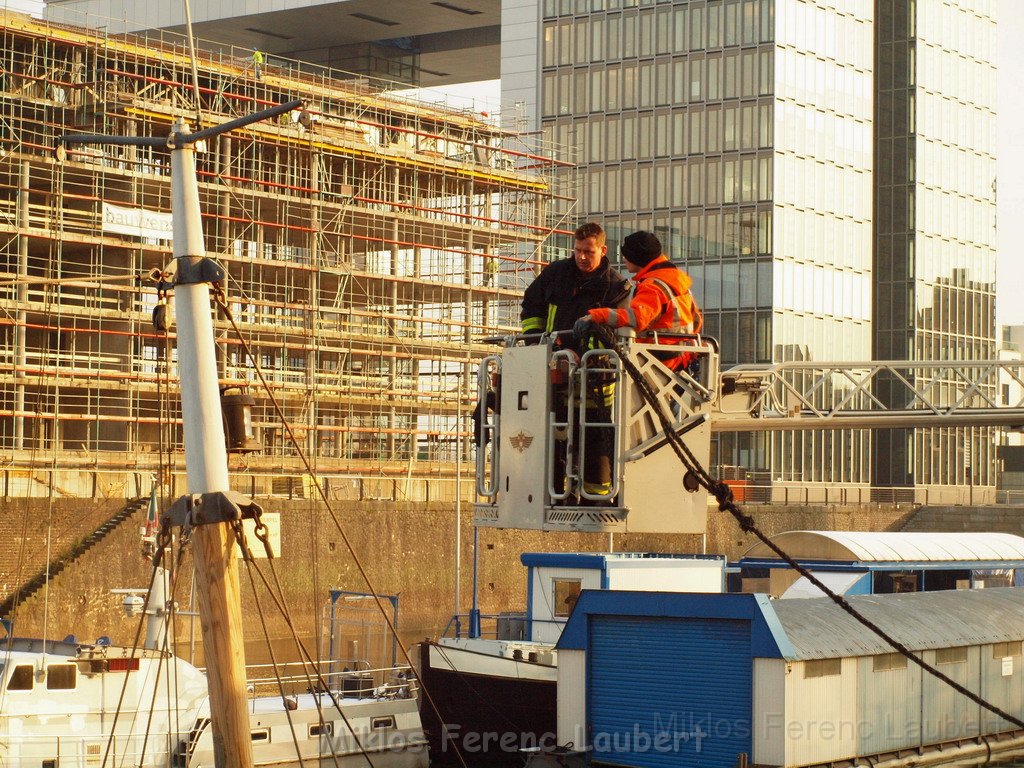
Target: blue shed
{"points": [[662, 680]]}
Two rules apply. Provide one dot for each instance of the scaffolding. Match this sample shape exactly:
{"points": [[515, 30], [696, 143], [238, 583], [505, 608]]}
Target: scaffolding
{"points": [[371, 243]]}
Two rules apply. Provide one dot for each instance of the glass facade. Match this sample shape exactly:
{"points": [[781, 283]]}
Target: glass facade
{"points": [[745, 134], [935, 218], [676, 110]]}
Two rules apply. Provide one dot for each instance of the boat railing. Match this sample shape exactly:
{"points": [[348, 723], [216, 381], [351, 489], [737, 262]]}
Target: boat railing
{"points": [[350, 679], [137, 748], [507, 625]]}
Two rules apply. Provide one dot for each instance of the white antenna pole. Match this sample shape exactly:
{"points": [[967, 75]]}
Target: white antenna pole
{"points": [[210, 508]]}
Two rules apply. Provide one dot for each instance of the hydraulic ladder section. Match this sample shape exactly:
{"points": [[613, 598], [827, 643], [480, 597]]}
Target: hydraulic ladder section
{"points": [[541, 420], [873, 395]]}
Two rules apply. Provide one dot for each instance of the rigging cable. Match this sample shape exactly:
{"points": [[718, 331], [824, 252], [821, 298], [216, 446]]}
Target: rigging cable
{"points": [[162, 541], [322, 684], [723, 495], [219, 298], [194, 63], [248, 559]]}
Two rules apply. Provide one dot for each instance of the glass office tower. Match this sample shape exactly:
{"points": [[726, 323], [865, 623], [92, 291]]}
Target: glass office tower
{"points": [[934, 217], [740, 132], [744, 133]]}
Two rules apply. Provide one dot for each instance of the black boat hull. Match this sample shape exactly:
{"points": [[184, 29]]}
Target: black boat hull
{"points": [[483, 715]]}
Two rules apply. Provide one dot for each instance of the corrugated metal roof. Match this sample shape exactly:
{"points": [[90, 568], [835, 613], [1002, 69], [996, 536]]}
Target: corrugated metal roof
{"points": [[817, 628], [838, 581], [869, 546]]}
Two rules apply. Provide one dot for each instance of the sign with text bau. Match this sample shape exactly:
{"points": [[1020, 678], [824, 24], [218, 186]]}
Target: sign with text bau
{"points": [[137, 222]]}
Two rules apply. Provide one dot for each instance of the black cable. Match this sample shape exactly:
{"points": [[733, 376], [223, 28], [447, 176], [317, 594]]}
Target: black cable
{"points": [[217, 293], [723, 494]]}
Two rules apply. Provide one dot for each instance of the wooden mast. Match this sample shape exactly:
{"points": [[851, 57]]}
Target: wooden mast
{"points": [[206, 462]]}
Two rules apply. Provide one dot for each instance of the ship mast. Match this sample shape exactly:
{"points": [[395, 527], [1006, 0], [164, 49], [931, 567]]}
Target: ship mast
{"points": [[210, 508]]}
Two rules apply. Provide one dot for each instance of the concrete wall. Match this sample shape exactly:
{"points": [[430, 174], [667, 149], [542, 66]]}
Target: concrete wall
{"points": [[406, 548]]}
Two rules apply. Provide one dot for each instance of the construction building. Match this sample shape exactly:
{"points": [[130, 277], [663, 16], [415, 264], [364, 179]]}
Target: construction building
{"points": [[371, 244]]}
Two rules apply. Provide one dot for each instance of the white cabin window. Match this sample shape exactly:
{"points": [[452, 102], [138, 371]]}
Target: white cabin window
{"points": [[321, 729], [262, 735], [382, 722], [884, 662], [1005, 650], [567, 591], [61, 677], [823, 668], [21, 679]]}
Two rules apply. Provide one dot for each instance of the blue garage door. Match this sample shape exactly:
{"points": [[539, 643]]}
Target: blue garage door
{"points": [[669, 693]]}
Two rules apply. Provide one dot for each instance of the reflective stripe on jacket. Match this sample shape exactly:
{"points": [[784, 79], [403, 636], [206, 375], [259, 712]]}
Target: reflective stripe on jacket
{"points": [[661, 301]]}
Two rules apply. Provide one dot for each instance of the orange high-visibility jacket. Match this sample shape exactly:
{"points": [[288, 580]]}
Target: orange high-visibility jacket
{"points": [[660, 301]]}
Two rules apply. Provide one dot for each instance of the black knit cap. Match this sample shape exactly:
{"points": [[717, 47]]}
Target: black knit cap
{"points": [[641, 248]]}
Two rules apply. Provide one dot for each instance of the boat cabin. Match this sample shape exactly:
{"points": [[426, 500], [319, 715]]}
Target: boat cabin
{"points": [[554, 581]]}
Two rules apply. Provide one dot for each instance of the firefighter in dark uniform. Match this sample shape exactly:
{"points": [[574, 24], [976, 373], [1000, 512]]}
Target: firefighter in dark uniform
{"points": [[566, 289], [552, 303]]}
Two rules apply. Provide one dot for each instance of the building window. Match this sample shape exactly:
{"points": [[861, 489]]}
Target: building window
{"points": [[951, 655], [567, 591], [885, 662], [823, 668], [1005, 650]]}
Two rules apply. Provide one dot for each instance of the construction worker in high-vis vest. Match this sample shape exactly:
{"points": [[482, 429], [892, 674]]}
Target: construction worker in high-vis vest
{"points": [[257, 64], [551, 304], [659, 302]]}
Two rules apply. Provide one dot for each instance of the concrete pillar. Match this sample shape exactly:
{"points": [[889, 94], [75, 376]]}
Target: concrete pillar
{"points": [[224, 229], [20, 330]]}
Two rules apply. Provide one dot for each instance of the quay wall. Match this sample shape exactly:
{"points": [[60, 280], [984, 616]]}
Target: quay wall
{"points": [[405, 548]]}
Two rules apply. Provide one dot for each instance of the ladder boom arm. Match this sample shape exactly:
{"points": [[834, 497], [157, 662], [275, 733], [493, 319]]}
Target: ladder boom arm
{"points": [[869, 395]]}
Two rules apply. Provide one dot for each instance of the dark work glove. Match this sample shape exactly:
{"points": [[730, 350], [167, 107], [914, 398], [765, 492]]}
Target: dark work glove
{"points": [[583, 327]]}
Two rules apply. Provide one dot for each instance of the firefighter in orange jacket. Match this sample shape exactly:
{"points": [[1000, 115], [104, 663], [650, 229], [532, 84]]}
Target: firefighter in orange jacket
{"points": [[660, 300]]}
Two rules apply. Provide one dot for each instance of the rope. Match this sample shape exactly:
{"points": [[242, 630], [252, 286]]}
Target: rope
{"points": [[247, 556], [219, 299], [723, 494]]}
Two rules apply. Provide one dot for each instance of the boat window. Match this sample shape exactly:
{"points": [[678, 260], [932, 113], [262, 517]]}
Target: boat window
{"points": [[382, 722], [61, 677], [321, 729], [261, 735], [566, 593], [21, 678]]}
